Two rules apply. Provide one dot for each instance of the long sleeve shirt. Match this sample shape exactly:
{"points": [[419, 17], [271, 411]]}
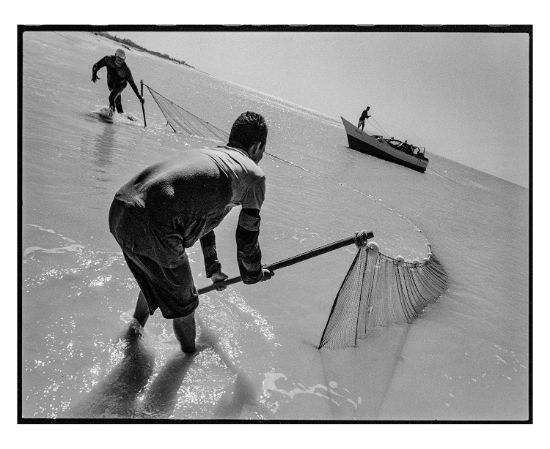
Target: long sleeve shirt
{"points": [[116, 75], [364, 115]]}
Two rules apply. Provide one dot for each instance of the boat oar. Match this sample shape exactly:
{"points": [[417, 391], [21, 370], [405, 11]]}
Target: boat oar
{"points": [[143, 107], [360, 239]]}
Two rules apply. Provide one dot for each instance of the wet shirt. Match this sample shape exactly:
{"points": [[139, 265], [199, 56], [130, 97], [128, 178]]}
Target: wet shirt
{"points": [[116, 75], [171, 205]]}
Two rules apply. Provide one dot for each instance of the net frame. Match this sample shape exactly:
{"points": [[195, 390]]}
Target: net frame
{"points": [[379, 290]]}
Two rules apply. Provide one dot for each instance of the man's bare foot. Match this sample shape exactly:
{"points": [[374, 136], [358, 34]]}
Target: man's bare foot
{"points": [[135, 328]]}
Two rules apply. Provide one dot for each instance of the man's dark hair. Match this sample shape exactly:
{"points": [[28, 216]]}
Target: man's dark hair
{"points": [[249, 128]]}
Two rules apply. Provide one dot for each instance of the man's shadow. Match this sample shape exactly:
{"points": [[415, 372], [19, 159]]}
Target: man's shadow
{"points": [[116, 395], [162, 396]]}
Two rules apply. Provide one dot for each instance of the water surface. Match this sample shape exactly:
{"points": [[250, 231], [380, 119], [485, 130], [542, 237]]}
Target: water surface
{"points": [[466, 357]]}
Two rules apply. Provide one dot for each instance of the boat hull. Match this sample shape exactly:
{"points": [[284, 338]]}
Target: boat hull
{"points": [[360, 141]]}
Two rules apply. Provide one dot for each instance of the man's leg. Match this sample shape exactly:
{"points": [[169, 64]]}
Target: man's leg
{"points": [[114, 97], [141, 314], [112, 102], [111, 97], [185, 331], [118, 104]]}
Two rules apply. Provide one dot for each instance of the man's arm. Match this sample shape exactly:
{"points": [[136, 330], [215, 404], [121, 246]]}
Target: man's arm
{"points": [[249, 255], [98, 65], [133, 85], [211, 262]]}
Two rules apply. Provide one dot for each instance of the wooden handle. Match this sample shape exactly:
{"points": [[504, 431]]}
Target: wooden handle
{"points": [[143, 107], [359, 239]]}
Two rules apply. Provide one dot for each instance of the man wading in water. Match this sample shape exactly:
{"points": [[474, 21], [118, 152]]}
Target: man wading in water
{"points": [[118, 76], [169, 206]]}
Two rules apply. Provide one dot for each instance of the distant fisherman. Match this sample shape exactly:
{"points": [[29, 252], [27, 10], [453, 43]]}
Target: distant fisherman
{"points": [[118, 76], [169, 206], [364, 116]]}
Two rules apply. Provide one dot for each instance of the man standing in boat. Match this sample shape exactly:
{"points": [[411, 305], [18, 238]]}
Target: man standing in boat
{"points": [[171, 205], [364, 116], [118, 76]]}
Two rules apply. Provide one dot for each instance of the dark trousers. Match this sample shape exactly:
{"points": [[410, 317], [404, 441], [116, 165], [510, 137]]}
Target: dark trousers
{"points": [[115, 96]]}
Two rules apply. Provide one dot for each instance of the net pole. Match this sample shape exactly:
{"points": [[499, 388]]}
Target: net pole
{"points": [[143, 107], [294, 259]]}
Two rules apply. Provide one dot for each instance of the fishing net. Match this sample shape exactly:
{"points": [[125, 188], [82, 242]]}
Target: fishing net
{"points": [[183, 121], [379, 290]]}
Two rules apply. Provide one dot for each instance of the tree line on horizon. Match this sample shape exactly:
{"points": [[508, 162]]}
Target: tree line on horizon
{"points": [[131, 44]]}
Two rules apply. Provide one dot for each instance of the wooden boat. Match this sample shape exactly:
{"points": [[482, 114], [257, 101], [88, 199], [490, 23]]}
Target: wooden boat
{"points": [[392, 150]]}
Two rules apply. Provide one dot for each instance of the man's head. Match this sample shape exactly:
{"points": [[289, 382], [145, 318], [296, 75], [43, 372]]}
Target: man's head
{"points": [[120, 57], [249, 133]]}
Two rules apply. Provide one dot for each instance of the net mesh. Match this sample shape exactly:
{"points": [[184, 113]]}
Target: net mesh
{"points": [[183, 121], [379, 290]]}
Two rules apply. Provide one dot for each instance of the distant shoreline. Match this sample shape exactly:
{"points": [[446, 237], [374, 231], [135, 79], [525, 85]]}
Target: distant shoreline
{"points": [[129, 44]]}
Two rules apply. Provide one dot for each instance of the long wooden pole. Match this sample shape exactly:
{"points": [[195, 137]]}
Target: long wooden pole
{"points": [[359, 239], [143, 106]]}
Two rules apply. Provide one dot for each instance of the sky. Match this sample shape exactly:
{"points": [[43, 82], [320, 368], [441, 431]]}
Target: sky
{"points": [[464, 96]]}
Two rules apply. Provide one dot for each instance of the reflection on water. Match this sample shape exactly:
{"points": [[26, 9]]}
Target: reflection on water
{"points": [[104, 146]]}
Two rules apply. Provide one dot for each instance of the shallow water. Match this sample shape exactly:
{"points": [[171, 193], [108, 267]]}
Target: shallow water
{"points": [[466, 357]]}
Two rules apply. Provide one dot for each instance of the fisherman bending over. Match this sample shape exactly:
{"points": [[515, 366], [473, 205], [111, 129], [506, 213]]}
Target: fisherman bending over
{"points": [[170, 205], [118, 76], [364, 116]]}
